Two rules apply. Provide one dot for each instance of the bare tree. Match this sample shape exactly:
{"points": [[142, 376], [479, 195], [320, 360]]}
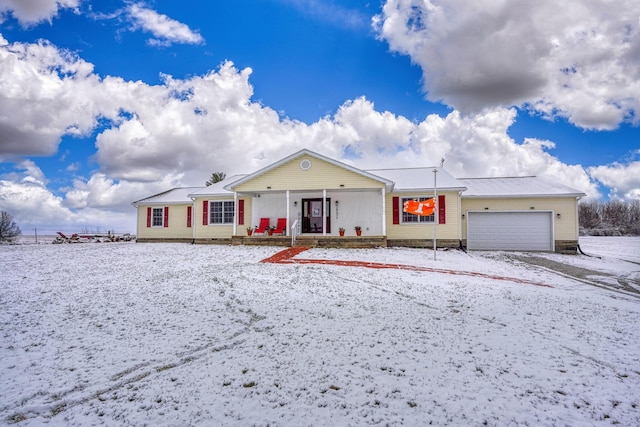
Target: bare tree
{"points": [[633, 218], [9, 230], [610, 218], [216, 177], [589, 214], [614, 213]]}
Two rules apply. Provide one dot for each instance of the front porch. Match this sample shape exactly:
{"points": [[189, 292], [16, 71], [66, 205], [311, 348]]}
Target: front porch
{"points": [[314, 213]]}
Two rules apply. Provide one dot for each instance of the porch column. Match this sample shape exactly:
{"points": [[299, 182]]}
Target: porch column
{"points": [[235, 213], [384, 213], [460, 215], [324, 213], [286, 231]]}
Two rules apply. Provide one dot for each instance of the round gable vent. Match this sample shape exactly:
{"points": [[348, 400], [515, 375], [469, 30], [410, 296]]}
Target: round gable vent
{"points": [[305, 164]]}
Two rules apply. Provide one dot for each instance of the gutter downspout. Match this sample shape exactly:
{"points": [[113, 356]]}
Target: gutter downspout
{"points": [[384, 212], [193, 223], [577, 221], [460, 217]]}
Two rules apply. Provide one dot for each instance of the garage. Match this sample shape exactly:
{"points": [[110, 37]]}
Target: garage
{"points": [[510, 230]]}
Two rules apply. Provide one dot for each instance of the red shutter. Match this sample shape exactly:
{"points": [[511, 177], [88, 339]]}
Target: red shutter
{"points": [[241, 212], [166, 216], [396, 210], [148, 217], [205, 212], [442, 211], [189, 213]]}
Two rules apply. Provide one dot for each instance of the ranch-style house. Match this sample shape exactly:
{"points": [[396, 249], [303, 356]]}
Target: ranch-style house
{"points": [[311, 200]]}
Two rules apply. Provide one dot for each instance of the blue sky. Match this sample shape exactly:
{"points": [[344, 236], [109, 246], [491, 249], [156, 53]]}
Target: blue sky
{"points": [[103, 103]]}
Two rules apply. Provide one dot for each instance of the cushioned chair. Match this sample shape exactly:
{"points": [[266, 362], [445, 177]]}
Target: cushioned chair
{"points": [[281, 226], [264, 225]]}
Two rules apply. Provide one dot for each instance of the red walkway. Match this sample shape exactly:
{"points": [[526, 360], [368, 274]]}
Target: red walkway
{"points": [[286, 257]]}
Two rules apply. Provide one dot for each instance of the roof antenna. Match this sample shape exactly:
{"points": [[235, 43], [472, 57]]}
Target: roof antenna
{"points": [[442, 162]]}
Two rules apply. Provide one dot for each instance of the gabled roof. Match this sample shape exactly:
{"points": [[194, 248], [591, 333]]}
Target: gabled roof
{"points": [[525, 186], [217, 189], [414, 179], [177, 195], [396, 180], [310, 153]]}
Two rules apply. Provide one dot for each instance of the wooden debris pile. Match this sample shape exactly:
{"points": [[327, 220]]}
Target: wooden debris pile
{"points": [[93, 238]]}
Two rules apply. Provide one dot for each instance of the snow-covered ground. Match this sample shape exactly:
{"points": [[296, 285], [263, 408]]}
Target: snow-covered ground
{"points": [[177, 334], [623, 247]]}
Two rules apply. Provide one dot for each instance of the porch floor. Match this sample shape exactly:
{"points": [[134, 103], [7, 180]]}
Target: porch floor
{"points": [[313, 241]]}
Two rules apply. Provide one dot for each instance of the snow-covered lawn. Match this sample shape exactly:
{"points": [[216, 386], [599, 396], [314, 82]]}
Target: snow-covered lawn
{"points": [[177, 334]]}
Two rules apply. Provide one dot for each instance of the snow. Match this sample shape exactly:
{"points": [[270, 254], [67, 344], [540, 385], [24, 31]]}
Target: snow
{"points": [[524, 186], [178, 334], [622, 247], [419, 178], [175, 195]]}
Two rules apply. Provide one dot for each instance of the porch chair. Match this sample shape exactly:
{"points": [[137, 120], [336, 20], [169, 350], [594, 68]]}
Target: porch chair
{"points": [[264, 225], [281, 226]]}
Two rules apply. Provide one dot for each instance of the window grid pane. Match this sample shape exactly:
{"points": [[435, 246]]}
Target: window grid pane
{"points": [[221, 212], [157, 217], [215, 213], [228, 212], [410, 218]]}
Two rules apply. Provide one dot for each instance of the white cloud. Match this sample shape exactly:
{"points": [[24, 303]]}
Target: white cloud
{"points": [[73, 167], [32, 204], [45, 93], [622, 179], [165, 30], [24, 194], [98, 204], [102, 192], [574, 59], [31, 12], [473, 145], [330, 12], [179, 132]]}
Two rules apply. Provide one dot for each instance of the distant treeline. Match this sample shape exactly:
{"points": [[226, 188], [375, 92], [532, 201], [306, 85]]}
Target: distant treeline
{"points": [[611, 218]]}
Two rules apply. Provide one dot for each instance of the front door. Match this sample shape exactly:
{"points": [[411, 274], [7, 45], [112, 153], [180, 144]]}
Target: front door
{"points": [[312, 214]]}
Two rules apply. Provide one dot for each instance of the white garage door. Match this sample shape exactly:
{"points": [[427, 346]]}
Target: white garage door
{"points": [[511, 231]]}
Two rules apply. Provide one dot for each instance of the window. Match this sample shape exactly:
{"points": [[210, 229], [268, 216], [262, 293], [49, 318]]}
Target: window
{"points": [[409, 218], [221, 212], [157, 217]]}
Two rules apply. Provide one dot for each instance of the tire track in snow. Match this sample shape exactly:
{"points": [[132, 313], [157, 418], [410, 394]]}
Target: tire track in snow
{"points": [[129, 376], [579, 274]]}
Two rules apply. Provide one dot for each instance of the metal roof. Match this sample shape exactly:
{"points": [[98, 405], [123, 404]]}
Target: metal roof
{"points": [[173, 196], [412, 179], [397, 180], [524, 186], [218, 188]]}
